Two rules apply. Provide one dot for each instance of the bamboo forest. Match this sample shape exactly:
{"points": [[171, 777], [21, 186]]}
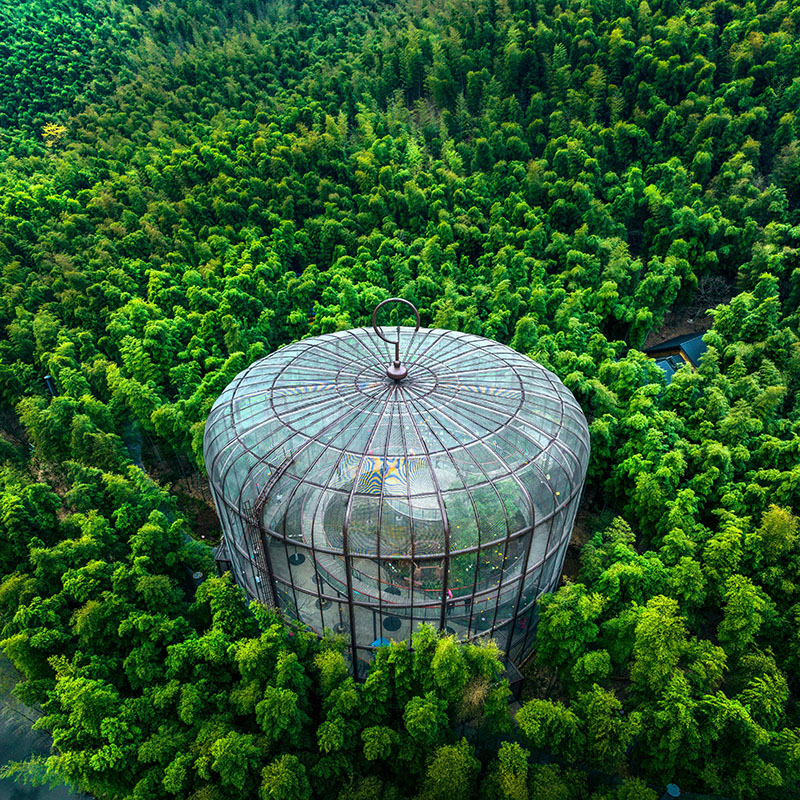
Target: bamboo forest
{"points": [[187, 186]]}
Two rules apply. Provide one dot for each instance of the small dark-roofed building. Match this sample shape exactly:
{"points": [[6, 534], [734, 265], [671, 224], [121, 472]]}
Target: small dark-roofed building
{"points": [[674, 353], [222, 557]]}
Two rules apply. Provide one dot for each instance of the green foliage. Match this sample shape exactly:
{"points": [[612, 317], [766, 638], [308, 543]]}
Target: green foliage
{"points": [[660, 642], [188, 186], [567, 625], [513, 771], [451, 772], [743, 615], [146, 686], [549, 725], [285, 779]]}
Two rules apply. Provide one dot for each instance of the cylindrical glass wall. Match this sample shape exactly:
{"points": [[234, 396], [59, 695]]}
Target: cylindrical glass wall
{"points": [[368, 506]]}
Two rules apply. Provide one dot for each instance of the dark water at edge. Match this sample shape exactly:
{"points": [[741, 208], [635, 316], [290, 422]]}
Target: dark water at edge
{"points": [[18, 742]]}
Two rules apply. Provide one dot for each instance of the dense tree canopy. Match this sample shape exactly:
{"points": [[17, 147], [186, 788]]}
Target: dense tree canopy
{"points": [[187, 185]]}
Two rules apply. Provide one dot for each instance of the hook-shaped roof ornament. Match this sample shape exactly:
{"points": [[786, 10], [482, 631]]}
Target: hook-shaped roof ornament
{"points": [[396, 371]]}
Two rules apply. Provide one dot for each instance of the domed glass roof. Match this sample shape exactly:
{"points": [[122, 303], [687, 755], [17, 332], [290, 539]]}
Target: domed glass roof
{"points": [[476, 438], [369, 499]]}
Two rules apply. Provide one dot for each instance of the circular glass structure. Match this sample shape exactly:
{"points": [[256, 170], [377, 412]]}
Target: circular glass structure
{"points": [[368, 500]]}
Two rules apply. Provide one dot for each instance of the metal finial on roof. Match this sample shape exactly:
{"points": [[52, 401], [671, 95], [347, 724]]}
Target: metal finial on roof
{"points": [[396, 371]]}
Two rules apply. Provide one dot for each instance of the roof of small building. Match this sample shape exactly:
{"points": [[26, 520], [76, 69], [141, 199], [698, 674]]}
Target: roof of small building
{"points": [[221, 551], [690, 344]]}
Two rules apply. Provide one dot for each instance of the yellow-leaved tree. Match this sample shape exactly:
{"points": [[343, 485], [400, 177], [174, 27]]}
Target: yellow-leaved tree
{"points": [[52, 133]]}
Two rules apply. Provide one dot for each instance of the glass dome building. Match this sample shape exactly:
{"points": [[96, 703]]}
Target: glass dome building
{"points": [[366, 494]]}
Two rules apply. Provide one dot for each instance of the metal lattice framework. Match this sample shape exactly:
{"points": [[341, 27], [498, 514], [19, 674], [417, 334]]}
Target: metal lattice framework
{"points": [[357, 500]]}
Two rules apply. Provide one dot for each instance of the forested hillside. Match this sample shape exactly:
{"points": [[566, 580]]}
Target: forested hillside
{"points": [[187, 185]]}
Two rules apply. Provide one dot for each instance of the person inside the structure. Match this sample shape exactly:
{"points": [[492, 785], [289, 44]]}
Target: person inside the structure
{"points": [[415, 576], [451, 603]]}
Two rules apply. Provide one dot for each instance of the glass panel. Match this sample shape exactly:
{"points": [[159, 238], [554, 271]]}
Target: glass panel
{"points": [[514, 557], [506, 602], [306, 600], [517, 501], [522, 630], [490, 514], [429, 538], [365, 573], [328, 520], [393, 577], [293, 514], [395, 624], [330, 571], [274, 510], [397, 526], [556, 533], [500, 636], [462, 519], [278, 559], [491, 559], [333, 617], [482, 615], [538, 479], [541, 536], [362, 530], [286, 602]]}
